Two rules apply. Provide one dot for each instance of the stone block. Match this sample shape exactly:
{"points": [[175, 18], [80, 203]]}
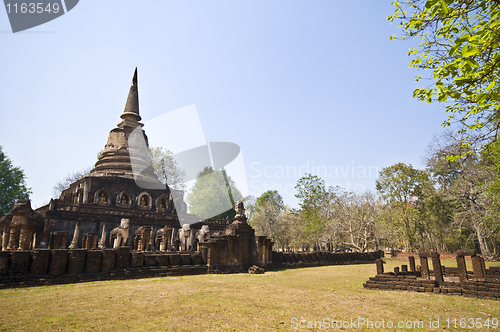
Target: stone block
{"points": [[461, 268], [436, 264], [40, 259], [196, 259], [122, 257], [149, 260], [425, 254], [471, 253], [424, 267], [186, 259], [4, 262], [136, 259], [58, 262], [93, 261], [380, 266], [108, 259], [76, 261], [477, 267], [174, 259], [19, 262], [162, 260]]}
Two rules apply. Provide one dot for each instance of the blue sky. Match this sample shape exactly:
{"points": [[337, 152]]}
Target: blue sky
{"points": [[296, 84]]}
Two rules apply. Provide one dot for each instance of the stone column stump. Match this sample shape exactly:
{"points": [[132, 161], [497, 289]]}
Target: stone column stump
{"points": [[108, 259], [93, 261], [40, 262], [4, 262], [411, 261], [58, 262], [137, 259], [122, 257], [76, 263]]}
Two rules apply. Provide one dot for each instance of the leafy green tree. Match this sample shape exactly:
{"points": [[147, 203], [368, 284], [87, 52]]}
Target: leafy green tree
{"points": [[466, 182], [437, 212], [12, 184], [312, 192], [166, 168], [460, 48], [267, 217], [400, 186], [213, 195]]}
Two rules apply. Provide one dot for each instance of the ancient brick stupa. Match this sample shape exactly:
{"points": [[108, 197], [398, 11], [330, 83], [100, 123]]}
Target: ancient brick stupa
{"points": [[122, 185], [121, 159]]}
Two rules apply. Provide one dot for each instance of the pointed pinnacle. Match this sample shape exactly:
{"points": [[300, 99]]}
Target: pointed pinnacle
{"points": [[131, 111], [134, 80]]}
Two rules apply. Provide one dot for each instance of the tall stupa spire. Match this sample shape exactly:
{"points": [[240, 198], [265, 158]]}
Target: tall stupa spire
{"points": [[117, 157], [131, 111]]}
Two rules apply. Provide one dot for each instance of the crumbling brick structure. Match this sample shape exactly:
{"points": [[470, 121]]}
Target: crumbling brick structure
{"points": [[481, 283]]}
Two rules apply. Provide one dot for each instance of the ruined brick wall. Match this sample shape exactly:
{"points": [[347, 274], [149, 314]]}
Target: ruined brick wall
{"points": [[481, 283], [488, 288], [46, 267], [291, 260]]}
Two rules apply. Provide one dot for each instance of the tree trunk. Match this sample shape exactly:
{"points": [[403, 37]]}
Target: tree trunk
{"points": [[483, 242]]}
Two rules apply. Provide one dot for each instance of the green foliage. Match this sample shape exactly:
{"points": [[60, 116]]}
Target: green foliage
{"points": [[401, 186], [311, 191], [460, 46], [213, 195], [436, 213], [465, 184], [267, 217], [270, 198], [401, 183], [12, 184], [166, 168]]}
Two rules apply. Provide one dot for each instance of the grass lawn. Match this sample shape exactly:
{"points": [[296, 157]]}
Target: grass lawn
{"points": [[237, 302]]}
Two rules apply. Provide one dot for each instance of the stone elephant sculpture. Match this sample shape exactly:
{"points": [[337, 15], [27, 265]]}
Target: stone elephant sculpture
{"points": [[186, 237], [142, 238], [203, 234], [164, 238], [121, 233]]}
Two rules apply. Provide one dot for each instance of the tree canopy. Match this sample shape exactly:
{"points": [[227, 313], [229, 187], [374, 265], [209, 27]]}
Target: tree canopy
{"points": [[267, 217], [213, 195], [401, 183], [311, 190], [12, 184], [166, 168], [400, 186], [460, 47], [465, 183]]}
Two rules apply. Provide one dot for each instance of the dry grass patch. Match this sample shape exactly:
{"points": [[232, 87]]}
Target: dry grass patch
{"points": [[238, 302]]}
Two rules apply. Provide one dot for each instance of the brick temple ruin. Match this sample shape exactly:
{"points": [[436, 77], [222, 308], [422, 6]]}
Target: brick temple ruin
{"points": [[119, 223], [478, 283]]}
